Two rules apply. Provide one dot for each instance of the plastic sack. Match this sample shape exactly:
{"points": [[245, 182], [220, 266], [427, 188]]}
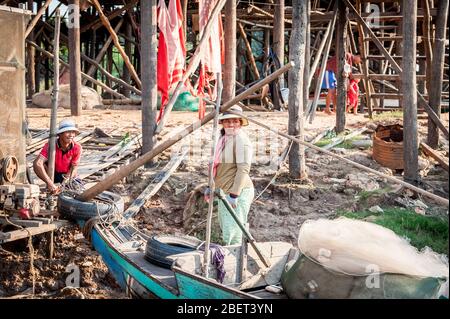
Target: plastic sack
{"points": [[357, 247]]}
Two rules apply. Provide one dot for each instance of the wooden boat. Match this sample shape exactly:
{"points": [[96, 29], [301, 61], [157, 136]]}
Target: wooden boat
{"points": [[123, 250]]}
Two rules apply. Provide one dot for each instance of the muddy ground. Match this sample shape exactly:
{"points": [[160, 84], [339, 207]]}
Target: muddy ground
{"points": [[332, 186]]}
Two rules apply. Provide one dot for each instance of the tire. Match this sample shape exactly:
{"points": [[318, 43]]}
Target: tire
{"points": [[73, 208], [159, 247]]}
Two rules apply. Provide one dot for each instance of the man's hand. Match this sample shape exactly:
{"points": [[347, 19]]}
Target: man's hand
{"points": [[52, 188]]}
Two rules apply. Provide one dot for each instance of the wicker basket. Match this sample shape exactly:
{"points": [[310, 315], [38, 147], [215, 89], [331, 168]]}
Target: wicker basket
{"points": [[388, 146]]}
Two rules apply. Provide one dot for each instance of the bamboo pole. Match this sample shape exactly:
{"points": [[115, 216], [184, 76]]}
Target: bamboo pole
{"points": [[103, 50], [398, 69], [206, 256], [108, 26], [126, 170], [195, 60], [436, 198], [102, 85], [55, 94], [37, 17]]}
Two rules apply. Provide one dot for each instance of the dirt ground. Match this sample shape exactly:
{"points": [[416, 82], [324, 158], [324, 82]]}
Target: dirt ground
{"points": [[178, 208]]}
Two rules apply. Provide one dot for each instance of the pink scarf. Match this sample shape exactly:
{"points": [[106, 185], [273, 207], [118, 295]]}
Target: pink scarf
{"points": [[220, 146]]}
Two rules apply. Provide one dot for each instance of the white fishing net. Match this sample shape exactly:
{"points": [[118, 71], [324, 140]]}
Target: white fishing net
{"points": [[361, 248]]}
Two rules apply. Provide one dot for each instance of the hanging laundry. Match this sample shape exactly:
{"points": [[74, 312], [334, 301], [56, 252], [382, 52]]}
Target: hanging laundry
{"points": [[212, 57], [171, 49]]}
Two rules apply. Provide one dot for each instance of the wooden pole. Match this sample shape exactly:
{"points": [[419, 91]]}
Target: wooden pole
{"points": [[229, 70], [126, 170], [397, 68], [74, 57], [278, 45], [297, 44], [148, 59], [31, 60], [342, 82], [125, 73], [410, 149], [312, 109], [102, 85], [319, 51], [248, 50], [193, 64], [437, 199], [437, 69], [427, 35], [37, 17], [103, 51], [116, 42], [55, 94]]}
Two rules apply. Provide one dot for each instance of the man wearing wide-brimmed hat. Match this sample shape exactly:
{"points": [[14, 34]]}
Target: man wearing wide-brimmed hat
{"points": [[231, 173], [67, 156]]}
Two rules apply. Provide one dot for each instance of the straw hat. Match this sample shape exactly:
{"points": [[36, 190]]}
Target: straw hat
{"points": [[226, 115], [67, 125]]}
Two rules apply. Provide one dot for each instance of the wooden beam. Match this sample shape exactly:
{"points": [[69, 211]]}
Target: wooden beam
{"points": [[91, 79], [437, 199], [103, 50], [193, 64], [397, 68], [437, 69], [149, 45], [432, 153], [341, 87], [297, 43], [126, 170], [74, 58], [410, 151], [249, 53], [229, 70], [125, 58], [110, 16], [154, 186], [37, 17]]}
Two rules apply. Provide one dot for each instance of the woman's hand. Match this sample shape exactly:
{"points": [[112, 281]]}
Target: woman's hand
{"points": [[232, 200]]}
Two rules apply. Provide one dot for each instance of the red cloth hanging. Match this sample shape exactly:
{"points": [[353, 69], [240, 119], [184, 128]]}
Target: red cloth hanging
{"points": [[212, 57], [171, 49]]}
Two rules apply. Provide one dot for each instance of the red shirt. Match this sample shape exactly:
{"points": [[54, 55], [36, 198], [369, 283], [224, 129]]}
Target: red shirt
{"points": [[63, 160], [332, 62]]}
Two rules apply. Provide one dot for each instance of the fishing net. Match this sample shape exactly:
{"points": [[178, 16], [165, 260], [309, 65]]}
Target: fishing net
{"points": [[360, 248]]}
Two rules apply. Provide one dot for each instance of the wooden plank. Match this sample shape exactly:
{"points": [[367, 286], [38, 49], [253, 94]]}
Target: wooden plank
{"points": [[25, 233], [156, 184], [21, 222], [432, 153]]}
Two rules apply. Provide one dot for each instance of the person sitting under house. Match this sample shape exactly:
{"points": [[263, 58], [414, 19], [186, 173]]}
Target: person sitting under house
{"points": [[352, 96], [67, 156]]}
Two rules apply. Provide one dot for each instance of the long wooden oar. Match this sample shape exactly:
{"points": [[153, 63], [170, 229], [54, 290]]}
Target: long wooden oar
{"points": [[219, 192]]}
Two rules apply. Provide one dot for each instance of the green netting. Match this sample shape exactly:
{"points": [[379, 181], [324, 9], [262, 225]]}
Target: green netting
{"points": [[184, 102]]}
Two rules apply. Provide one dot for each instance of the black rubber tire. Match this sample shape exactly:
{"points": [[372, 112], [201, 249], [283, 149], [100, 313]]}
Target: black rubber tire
{"points": [[73, 208], [160, 246]]}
